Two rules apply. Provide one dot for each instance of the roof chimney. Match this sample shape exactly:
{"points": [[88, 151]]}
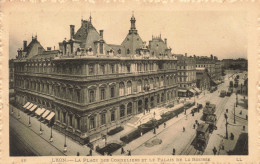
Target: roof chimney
{"points": [[101, 34], [211, 57], [24, 44], [72, 27], [165, 41], [194, 56]]}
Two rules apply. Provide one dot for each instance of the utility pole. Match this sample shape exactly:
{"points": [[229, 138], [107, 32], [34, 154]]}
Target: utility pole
{"points": [[234, 114], [236, 100], [226, 117]]}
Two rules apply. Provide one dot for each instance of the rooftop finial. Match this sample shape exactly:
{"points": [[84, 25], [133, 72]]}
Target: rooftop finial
{"points": [[90, 18]]}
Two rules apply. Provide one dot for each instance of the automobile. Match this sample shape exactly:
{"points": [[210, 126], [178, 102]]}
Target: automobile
{"points": [[222, 93]]}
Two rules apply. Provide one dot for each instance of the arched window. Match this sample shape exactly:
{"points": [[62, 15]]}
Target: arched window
{"points": [[122, 110], [129, 87], [92, 124], [129, 108], [162, 97], [121, 89], [139, 86], [162, 81], [112, 91], [91, 95], [128, 51], [152, 102], [140, 106], [158, 99], [151, 83], [102, 93]]}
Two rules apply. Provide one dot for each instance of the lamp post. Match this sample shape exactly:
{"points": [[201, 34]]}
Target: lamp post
{"points": [[19, 114], [234, 114], [236, 100], [65, 144], [51, 138], [29, 124], [40, 128], [226, 117]]}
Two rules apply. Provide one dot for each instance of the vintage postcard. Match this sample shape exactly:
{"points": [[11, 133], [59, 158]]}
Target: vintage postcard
{"points": [[130, 82]]}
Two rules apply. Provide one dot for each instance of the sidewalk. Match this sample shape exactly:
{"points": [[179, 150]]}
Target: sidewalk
{"points": [[141, 140], [58, 138]]}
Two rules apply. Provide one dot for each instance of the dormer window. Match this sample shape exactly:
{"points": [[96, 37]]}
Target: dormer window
{"points": [[119, 51], [101, 48], [128, 51], [127, 39], [137, 39]]}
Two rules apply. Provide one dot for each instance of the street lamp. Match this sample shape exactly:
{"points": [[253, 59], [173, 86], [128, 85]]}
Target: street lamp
{"points": [[19, 114], [65, 144], [40, 128], [226, 117], [29, 124], [236, 100], [234, 114], [51, 138]]}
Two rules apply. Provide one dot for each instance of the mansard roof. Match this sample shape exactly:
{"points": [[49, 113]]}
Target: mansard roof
{"points": [[46, 54]]}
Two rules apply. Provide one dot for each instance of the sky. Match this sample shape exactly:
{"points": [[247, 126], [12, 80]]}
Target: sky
{"points": [[221, 33]]}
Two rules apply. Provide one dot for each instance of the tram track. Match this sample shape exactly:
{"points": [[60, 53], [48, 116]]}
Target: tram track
{"points": [[220, 108]]}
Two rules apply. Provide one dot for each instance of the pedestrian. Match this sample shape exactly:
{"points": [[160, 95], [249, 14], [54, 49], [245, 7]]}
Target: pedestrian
{"points": [[244, 128], [77, 153], [173, 151], [164, 124], [122, 149], [246, 117], [194, 126], [240, 112], [129, 152], [183, 129], [214, 150], [90, 152], [226, 110], [232, 136]]}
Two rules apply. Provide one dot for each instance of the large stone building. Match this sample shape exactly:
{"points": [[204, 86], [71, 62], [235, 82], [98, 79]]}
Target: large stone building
{"points": [[186, 67], [93, 86], [213, 67]]}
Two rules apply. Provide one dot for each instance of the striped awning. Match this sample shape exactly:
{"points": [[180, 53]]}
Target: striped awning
{"points": [[28, 103], [29, 106], [33, 108], [45, 114], [197, 90], [42, 110], [51, 115], [38, 110], [193, 91]]}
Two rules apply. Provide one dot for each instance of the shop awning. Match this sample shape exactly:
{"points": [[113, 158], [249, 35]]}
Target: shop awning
{"points": [[191, 90], [182, 90], [28, 107], [33, 108], [51, 115], [41, 112], [197, 90], [38, 110], [28, 103], [45, 114]]}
